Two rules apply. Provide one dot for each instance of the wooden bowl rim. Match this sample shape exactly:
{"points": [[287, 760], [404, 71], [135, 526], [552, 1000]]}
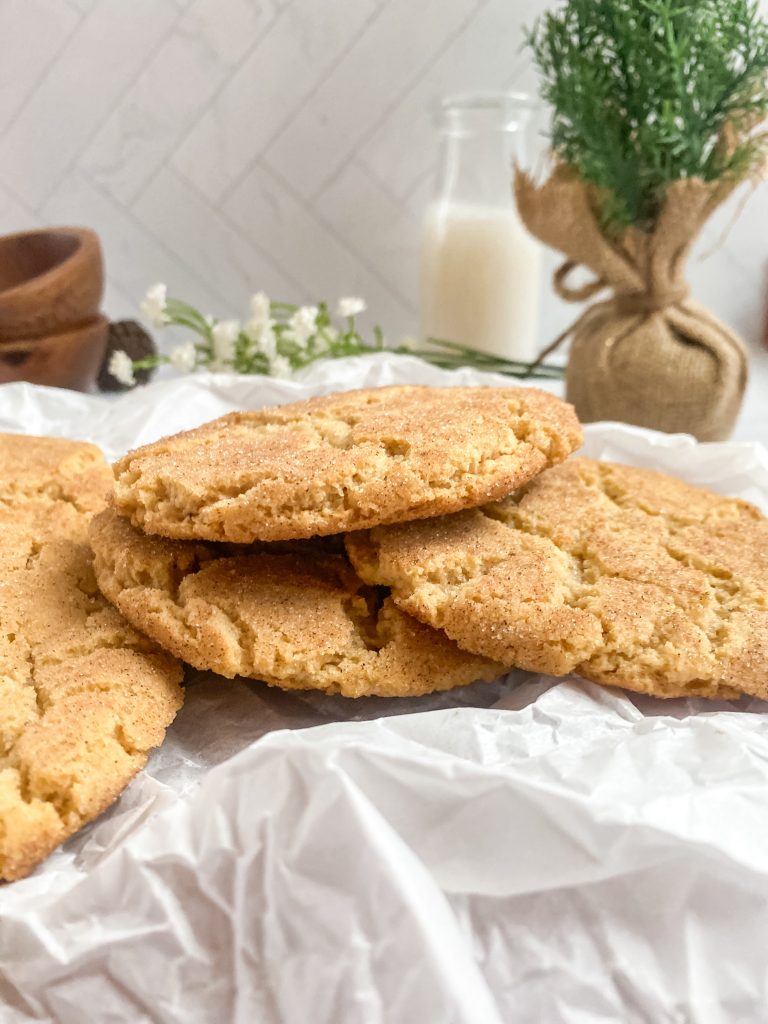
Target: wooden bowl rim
{"points": [[87, 245]]}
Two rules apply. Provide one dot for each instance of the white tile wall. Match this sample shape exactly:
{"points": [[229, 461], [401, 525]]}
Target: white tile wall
{"points": [[229, 145], [33, 33], [484, 56], [387, 60], [164, 102], [227, 259], [134, 254], [84, 83], [362, 208], [310, 250], [15, 214], [279, 77]]}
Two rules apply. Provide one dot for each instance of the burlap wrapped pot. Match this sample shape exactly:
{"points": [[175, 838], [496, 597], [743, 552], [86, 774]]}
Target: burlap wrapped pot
{"points": [[648, 355]]}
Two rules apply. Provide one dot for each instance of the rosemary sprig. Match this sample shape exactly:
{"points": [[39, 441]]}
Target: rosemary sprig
{"points": [[646, 92]]}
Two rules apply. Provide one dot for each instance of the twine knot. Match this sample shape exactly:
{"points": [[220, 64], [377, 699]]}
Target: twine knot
{"points": [[638, 302], [645, 303], [627, 303]]}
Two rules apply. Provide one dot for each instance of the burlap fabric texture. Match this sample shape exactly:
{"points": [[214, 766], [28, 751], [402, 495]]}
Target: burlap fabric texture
{"points": [[649, 354]]}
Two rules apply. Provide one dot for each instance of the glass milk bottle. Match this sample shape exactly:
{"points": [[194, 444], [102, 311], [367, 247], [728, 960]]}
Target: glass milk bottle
{"points": [[480, 271]]}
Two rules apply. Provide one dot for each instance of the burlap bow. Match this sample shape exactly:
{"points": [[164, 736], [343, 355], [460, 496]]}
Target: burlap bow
{"points": [[648, 354]]}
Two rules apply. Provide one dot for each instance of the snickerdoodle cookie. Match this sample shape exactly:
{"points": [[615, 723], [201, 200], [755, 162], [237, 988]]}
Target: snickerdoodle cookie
{"points": [[343, 462], [52, 468], [83, 696], [624, 576], [298, 619]]}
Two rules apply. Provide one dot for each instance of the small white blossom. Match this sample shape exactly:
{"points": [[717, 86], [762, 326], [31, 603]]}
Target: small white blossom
{"points": [[268, 343], [252, 330], [260, 308], [325, 338], [183, 357], [259, 328], [351, 306], [303, 324], [224, 334], [262, 336], [121, 368], [154, 304], [255, 328], [280, 367]]}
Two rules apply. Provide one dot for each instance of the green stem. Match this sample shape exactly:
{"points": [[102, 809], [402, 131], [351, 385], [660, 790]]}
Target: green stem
{"points": [[443, 353], [486, 359]]}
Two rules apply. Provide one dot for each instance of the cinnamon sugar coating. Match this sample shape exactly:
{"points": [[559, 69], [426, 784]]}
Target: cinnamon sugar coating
{"points": [[343, 462], [295, 616], [83, 696], [621, 575]]}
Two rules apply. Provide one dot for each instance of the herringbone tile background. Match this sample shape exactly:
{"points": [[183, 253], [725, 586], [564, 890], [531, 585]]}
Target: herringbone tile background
{"points": [[228, 145]]}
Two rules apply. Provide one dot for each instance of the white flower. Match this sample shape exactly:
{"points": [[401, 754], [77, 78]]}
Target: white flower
{"points": [[351, 306], [280, 367], [224, 335], [303, 324], [267, 343], [183, 357], [325, 339], [259, 328], [260, 308], [252, 329], [154, 303], [262, 336], [121, 368], [255, 328]]}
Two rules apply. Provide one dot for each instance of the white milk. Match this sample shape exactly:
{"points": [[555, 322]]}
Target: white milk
{"points": [[480, 279]]}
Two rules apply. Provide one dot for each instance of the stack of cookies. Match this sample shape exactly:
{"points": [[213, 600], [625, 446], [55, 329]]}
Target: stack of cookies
{"points": [[225, 544], [401, 540]]}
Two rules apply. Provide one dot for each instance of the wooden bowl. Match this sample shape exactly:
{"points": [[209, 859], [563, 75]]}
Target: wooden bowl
{"points": [[68, 360], [51, 281]]}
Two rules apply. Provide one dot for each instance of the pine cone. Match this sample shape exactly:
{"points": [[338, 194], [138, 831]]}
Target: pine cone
{"points": [[133, 339]]}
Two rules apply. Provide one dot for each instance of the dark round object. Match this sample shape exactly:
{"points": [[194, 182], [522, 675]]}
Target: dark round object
{"points": [[133, 339]]}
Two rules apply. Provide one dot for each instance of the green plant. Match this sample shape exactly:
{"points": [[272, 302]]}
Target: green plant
{"points": [[280, 338], [646, 92]]}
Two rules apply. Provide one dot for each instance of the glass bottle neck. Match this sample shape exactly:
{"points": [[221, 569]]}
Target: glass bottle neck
{"points": [[476, 169], [482, 138]]}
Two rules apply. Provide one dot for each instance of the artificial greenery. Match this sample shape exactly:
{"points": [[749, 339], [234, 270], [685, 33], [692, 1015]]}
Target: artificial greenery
{"points": [[646, 92]]}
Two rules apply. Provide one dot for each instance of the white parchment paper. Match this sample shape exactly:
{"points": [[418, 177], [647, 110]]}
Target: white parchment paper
{"points": [[528, 850]]}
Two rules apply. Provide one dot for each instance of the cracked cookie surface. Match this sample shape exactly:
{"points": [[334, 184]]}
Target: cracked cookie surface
{"points": [[53, 468], [297, 619], [84, 697], [343, 462], [623, 576]]}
